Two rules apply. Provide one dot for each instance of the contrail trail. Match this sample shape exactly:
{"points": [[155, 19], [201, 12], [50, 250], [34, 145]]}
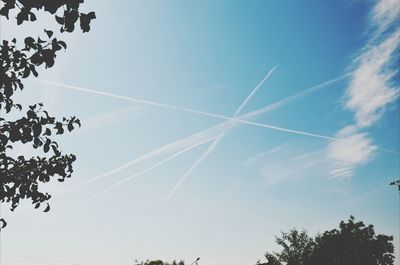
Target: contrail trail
{"points": [[204, 113], [136, 100], [150, 168], [196, 163], [296, 96], [228, 124], [177, 145], [254, 91], [216, 141]]}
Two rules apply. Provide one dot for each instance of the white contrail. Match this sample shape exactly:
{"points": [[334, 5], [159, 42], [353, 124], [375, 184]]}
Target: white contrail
{"points": [[225, 126], [216, 141], [209, 114], [131, 99], [150, 168], [229, 119], [296, 96], [210, 133], [195, 164], [239, 109], [177, 145]]}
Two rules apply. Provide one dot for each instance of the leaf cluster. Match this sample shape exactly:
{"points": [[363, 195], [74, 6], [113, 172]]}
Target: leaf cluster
{"points": [[18, 64], [67, 19]]}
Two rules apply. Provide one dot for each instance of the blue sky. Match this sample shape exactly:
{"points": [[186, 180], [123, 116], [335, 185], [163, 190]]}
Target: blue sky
{"points": [[253, 182]]}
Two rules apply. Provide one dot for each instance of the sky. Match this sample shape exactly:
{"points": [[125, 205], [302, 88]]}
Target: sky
{"points": [[208, 127]]}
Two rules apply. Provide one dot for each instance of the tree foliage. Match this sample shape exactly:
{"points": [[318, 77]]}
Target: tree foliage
{"points": [[297, 247], [21, 176], [159, 262], [352, 243]]}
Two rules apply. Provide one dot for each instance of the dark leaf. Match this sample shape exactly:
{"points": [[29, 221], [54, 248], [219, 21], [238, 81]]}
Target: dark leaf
{"points": [[32, 16], [3, 223], [46, 146], [63, 44], [60, 20], [47, 208], [49, 33], [30, 42], [37, 129], [70, 126]]}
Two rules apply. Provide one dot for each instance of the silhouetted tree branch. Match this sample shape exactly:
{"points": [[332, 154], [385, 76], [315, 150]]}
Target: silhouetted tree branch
{"points": [[21, 176]]}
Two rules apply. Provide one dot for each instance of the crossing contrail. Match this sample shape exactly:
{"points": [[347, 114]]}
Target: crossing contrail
{"points": [[177, 145], [150, 168], [228, 121], [216, 141], [204, 113]]}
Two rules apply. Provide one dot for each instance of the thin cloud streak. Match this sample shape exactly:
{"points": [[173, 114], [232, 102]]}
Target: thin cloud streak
{"points": [[215, 143]]}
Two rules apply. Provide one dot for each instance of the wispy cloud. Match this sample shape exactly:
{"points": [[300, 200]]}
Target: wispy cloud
{"points": [[296, 162], [384, 14], [260, 156], [370, 90], [356, 149]]}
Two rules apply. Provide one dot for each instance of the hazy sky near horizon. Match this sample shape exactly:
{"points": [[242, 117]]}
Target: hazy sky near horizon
{"points": [[308, 161]]}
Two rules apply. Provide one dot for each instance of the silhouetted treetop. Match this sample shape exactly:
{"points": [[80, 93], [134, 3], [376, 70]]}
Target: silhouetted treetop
{"points": [[296, 248], [352, 243], [158, 262]]}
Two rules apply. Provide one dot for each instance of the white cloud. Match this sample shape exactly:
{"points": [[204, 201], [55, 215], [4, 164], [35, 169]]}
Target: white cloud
{"points": [[286, 161], [338, 159], [385, 13], [354, 150], [370, 89]]}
